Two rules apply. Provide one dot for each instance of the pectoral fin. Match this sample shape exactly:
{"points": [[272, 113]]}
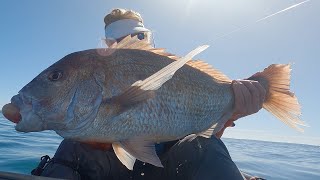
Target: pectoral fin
{"points": [[215, 128], [143, 90], [126, 159], [137, 149], [133, 95]]}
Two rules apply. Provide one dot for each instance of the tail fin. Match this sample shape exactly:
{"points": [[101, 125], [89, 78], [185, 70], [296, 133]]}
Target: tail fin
{"points": [[280, 101]]}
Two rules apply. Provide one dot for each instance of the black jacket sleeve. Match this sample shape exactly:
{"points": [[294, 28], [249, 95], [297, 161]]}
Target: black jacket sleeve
{"points": [[202, 159], [74, 160]]}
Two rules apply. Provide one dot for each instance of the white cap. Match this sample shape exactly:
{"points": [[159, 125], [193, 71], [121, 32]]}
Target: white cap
{"points": [[123, 28]]}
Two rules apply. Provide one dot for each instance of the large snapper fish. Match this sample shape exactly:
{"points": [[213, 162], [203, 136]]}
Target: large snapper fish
{"points": [[129, 95]]}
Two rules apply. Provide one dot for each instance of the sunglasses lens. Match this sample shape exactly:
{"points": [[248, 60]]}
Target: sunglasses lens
{"points": [[140, 36]]}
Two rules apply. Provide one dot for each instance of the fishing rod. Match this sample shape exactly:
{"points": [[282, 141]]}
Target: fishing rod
{"points": [[101, 40], [259, 20]]}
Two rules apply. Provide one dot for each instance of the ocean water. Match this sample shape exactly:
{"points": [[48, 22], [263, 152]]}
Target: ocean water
{"points": [[21, 152], [274, 160]]}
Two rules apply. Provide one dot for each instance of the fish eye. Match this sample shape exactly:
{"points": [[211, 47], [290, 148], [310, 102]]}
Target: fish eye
{"points": [[55, 75]]}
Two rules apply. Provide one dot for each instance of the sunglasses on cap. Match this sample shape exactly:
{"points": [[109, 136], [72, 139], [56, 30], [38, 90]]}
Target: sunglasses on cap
{"points": [[140, 36]]}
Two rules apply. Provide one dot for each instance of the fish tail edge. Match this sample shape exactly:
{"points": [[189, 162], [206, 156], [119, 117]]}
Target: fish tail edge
{"points": [[280, 101]]}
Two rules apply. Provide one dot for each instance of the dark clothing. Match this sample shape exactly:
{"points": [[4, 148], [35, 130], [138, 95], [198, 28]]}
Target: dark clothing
{"points": [[87, 163], [199, 159]]}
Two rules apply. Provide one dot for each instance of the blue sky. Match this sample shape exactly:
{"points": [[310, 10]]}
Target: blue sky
{"points": [[35, 34]]}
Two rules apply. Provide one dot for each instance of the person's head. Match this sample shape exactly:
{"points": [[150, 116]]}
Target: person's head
{"points": [[120, 23]]}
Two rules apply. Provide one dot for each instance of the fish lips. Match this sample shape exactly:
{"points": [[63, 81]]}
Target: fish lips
{"points": [[30, 121]]}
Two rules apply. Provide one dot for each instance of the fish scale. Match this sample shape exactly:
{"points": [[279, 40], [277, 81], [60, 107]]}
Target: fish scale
{"points": [[191, 96], [133, 98]]}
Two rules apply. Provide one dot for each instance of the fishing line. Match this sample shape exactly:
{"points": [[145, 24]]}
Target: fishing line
{"points": [[259, 20]]}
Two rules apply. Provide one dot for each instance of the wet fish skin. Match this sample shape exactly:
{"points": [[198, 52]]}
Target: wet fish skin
{"points": [[129, 96], [51, 100], [181, 106]]}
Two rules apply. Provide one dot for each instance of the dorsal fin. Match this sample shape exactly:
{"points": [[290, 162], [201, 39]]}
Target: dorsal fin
{"points": [[144, 89], [208, 69], [134, 43]]}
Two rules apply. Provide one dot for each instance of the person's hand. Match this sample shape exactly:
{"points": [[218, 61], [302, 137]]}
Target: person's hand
{"points": [[229, 123], [249, 97]]}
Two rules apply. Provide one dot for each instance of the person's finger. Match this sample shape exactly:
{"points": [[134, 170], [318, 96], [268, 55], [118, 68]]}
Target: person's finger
{"points": [[229, 123], [255, 105], [246, 107], [220, 133], [258, 94], [262, 91], [239, 99]]}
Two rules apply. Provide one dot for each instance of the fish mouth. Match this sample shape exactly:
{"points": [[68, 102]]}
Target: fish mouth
{"points": [[20, 112], [12, 113]]}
